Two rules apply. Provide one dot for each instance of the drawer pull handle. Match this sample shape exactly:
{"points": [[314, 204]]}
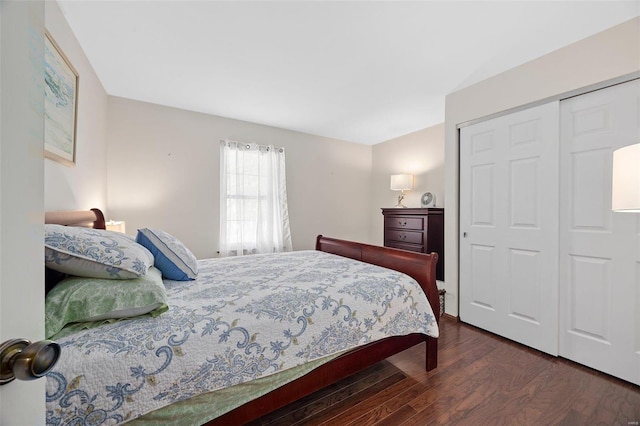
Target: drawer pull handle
{"points": [[402, 223], [403, 237]]}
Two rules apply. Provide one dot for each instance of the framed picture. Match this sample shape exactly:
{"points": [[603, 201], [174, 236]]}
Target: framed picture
{"points": [[60, 104]]}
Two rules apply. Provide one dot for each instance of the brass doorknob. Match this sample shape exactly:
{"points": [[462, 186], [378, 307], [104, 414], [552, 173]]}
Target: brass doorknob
{"points": [[23, 360]]}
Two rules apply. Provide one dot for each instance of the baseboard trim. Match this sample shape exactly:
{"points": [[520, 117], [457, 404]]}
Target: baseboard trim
{"points": [[451, 317]]}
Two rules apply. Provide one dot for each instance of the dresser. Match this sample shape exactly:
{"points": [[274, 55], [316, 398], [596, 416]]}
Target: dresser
{"points": [[420, 230]]}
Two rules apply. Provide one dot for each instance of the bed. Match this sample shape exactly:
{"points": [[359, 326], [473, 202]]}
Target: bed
{"points": [[270, 377]]}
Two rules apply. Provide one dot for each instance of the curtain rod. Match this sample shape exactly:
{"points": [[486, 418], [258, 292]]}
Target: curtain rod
{"points": [[248, 145]]}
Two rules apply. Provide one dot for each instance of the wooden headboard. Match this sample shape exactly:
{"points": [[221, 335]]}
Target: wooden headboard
{"points": [[85, 218]]}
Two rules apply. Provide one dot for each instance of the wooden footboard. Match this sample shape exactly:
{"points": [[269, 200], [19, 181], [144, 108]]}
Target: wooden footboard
{"points": [[421, 267]]}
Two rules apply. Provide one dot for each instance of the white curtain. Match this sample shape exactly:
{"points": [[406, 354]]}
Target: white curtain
{"points": [[253, 199]]}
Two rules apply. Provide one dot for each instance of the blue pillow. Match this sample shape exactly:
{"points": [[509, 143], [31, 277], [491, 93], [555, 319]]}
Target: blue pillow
{"points": [[170, 256]]}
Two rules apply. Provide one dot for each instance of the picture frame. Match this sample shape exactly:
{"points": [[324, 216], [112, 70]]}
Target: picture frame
{"points": [[60, 104]]}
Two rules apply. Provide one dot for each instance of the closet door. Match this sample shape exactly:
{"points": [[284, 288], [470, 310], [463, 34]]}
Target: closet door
{"points": [[599, 249], [509, 226]]}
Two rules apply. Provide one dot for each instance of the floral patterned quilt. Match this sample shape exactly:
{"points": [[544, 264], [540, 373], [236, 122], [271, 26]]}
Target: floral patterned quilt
{"points": [[243, 318]]}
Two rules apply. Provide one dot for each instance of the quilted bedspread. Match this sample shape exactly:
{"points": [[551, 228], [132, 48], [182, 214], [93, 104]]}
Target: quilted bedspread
{"points": [[243, 318]]}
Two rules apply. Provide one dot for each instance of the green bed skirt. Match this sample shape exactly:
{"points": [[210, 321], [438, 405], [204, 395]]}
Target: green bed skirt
{"points": [[205, 407]]}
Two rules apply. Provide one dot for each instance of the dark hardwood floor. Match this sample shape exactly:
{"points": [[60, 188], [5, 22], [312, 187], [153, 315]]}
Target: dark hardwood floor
{"points": [[482, 379]]}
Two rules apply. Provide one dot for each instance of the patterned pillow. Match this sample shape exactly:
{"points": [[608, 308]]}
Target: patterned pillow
{"points": [[96, 253], [92, 301], [171, 256]]}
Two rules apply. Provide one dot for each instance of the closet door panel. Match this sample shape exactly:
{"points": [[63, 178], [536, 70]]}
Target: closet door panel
{"points": [[599, 259], [509, 224], [524, 268], [590, 180], [483, 289], [590, 289], [525, 193], [482, 188]]}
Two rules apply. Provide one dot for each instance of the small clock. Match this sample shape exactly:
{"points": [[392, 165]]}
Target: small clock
{"points": [[428, 199]]}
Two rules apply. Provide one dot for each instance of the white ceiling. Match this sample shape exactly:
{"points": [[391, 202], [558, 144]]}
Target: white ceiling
{"points": [[355, 70]]}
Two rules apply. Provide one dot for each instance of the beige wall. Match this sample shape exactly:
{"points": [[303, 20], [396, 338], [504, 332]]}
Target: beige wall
{"points": [[163, 171], [607, 55], [85, 185], [420, 153]]}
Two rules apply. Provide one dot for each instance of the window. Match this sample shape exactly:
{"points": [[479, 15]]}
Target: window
{"points": [[253, 199]]}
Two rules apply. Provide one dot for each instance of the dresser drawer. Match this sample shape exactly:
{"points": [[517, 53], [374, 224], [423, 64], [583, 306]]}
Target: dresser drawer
{"points": [[416, 229], [412, 237], [403, 246], [404, 223]]}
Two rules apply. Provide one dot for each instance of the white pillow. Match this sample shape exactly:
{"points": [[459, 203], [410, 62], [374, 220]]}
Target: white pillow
{"points": [[170, 256], [95, 253]]}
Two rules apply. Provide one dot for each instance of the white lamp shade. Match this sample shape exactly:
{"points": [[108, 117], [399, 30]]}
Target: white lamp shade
{"points": [[625, 191], [403, 182]]}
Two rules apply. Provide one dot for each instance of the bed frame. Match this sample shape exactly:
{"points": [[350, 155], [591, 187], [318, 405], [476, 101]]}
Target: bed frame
{"points": [[421, 267]]}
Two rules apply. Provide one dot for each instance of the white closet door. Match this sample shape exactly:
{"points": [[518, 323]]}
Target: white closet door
{"points": [[509, 226], [600, 259]]}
